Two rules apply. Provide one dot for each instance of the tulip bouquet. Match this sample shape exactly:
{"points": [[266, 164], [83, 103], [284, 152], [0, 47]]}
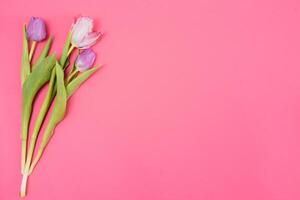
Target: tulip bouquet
{"points": [[62, 78]]}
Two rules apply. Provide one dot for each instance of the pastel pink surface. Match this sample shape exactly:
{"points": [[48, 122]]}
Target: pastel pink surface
{"points": [[197, 99]]}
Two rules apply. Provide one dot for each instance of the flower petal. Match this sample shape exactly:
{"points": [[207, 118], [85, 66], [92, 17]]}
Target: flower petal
{"points": [[36, 29], [89, 40], [85, 60], [80, 29]]}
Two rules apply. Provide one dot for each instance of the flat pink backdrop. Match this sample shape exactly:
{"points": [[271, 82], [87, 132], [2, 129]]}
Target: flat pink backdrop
{"points": [[197, 99]]}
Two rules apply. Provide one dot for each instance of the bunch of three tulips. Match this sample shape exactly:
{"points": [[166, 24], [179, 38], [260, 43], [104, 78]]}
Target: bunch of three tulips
{"points": [[47, 69]]}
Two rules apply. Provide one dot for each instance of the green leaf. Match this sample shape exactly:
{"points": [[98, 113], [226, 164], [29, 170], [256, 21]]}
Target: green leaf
{"points": [[40, 119], [51, 89], [39, 76], [64, 55], [59, 107], [25, 68], [76, 82], [44, 52], [48, 98], [58, 112]]}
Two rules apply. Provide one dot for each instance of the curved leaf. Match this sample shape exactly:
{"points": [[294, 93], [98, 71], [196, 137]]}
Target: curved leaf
{"points": [[25, 68], [39, 76], [58, 112], [76, 82]]}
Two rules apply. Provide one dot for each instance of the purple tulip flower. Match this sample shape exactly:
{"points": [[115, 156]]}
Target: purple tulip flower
{"points": [[85, 59], [36, 29]]}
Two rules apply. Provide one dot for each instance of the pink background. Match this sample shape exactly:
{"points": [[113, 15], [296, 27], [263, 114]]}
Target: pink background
{"points": [[197, 99]]}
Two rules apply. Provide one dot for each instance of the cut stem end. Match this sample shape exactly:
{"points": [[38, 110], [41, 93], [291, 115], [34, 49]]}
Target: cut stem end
{"points": [[24, 185]]}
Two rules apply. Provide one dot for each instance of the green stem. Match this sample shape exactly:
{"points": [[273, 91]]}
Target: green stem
{"points": [[36, 159], [33, 45], [72, 75], [23, 155], [70, 50]]}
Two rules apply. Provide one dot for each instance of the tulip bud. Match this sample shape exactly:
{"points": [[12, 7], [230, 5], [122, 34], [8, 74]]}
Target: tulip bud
{"points": [[36, 29], [85, 60], [83, 36]]}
